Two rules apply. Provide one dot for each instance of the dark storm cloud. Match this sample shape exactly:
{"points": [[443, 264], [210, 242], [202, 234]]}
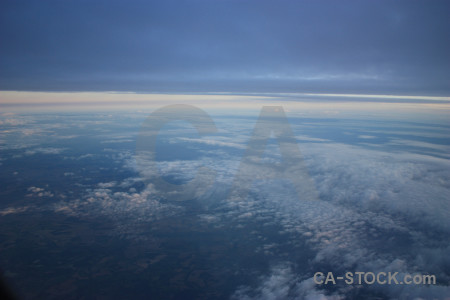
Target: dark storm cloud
{"points": [[234, 46]]}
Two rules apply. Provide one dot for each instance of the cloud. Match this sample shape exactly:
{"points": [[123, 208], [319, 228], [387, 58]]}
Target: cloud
{"points": [[372, 179], [371, 203], [13, 210], [363, 136], [211, 142], [127, 208], [379, 209], [12, 122], [282, 283], [105, 185], [117, 141], [46, 150], [226, 46], [39, 192]]}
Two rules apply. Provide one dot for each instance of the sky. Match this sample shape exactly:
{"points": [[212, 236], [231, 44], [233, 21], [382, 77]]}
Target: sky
{"points": [[365, 87], [352, 47]]}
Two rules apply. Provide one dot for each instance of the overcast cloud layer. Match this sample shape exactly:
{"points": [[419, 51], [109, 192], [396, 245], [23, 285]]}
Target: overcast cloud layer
{"points": [[397, 47]]}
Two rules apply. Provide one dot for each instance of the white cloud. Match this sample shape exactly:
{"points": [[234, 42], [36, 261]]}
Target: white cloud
{"points": [[39, 192], [211, 142], [378, 210], [13, 122], [46, 150], [105, 185], [13, 210], [364, 136], [282, 283]]}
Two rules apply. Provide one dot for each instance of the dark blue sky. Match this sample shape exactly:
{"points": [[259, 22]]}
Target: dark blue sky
{"points": [[396, 47]]}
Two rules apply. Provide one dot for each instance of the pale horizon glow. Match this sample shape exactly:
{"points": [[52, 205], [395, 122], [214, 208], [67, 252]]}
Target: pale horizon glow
{"points": [[26, 97], [377, 96], [317, 104]]}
